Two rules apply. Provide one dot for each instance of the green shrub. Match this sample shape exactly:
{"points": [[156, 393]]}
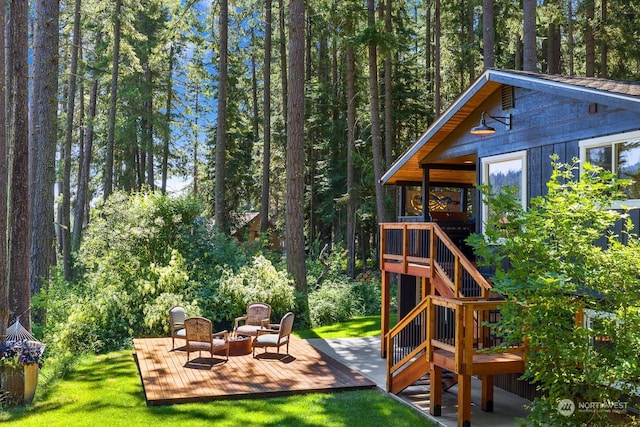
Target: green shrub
{"points": [[259, 281], [332, 302], [366, 291], [131, 269], [563, 257], [335, 297]]}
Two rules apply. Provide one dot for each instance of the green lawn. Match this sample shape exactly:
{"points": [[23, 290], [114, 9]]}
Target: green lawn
{"points": [[106, 390], [357, 327]]}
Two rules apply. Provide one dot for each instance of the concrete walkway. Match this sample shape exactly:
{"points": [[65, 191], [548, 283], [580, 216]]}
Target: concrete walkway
{"points": [[363, 355]]}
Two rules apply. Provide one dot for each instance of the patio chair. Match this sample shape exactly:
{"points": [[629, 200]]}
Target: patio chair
{"points": [[273, 337], [177, 315], [257, 317], [200, 337]]}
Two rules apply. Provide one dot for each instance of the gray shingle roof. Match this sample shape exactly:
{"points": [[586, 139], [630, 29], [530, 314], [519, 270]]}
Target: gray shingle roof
{"points": [[623, 87]]}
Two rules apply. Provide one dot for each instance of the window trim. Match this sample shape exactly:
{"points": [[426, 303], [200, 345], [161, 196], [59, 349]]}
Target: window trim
{"points": [[485, 162], [610, 140]]}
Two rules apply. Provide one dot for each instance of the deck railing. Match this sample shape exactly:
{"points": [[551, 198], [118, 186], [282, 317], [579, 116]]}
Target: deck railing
{"points": [[424, 249], [464, 328], [461, 327], [406, 342]]}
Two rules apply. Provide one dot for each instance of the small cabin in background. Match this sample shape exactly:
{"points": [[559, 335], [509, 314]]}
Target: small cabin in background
{"points": [[245, 228], [501, 131]]}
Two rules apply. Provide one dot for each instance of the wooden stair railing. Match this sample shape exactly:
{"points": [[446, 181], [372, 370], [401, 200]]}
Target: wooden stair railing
{"points": [[454, 268], [426, 250], [461, 339], [406, 349]]}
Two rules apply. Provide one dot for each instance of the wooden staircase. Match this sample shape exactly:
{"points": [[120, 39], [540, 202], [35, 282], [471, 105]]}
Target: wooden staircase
{"points": [[448, 335]]}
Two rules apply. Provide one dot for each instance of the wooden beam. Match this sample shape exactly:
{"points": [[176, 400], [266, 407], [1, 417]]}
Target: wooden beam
{"points": [[385, 314], [487, 393], [435, 390], [449, 166], [464, 400]]}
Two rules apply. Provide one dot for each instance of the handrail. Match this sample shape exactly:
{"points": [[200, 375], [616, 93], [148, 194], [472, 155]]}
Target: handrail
{"points": [[472, 334], [425, 245], [446, 260], [408, 318], [396, 360]]}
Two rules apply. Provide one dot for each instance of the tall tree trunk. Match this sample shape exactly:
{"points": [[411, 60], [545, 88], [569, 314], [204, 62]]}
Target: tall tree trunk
{"points": [[283, 65], [167, 119], [351, 149], [266, 124], [68, 137], [388, 102], [471, 40], [436, 60], [43, 137], [295, 159], [553, 49], [254, 91], [604, 46], [4, 288], [570, 41], [589, 39], [488, 34], [82, 195], [221, 214], [519, 53], [113, 96], [388, 90], [196, 142], [427, 50], [148, 125], [375, 114], [529, 31], [18, 139]]}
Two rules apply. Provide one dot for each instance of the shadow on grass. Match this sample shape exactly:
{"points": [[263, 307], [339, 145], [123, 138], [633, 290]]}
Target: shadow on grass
{"points": [[108, 387]]}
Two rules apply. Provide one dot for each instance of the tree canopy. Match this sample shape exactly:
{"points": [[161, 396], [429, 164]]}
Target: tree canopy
{"points": [[143, 83]]}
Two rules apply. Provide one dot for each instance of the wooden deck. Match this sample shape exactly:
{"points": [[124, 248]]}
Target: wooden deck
{"points": [[168, 379]]}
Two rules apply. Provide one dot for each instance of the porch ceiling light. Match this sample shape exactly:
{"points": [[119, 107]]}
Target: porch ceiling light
{"points": [[483, 129]]}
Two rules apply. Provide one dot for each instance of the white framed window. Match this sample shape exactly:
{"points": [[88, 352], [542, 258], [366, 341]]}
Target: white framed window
{"points": [[617, 153], [505, 170]]}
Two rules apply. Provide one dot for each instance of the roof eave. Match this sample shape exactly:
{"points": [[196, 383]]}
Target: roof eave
{"points": [[589, 94], [436, 125]]}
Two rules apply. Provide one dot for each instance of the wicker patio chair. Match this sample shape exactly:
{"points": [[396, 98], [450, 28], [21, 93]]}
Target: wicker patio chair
{"points": [[257, 317], [177, 315], [200, 337], [273, 337]]}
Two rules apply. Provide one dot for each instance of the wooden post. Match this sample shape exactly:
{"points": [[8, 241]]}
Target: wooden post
{"points": [[432, 253], [435, 390], [467, 344], [487, 393], [405, 248], [464, 400], [384, 315], [459, 339], [457, 277], [426, 287], [389, 364]]}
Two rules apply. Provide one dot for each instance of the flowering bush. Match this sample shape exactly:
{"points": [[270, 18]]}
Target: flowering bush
{"points": [[16, 353]]}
